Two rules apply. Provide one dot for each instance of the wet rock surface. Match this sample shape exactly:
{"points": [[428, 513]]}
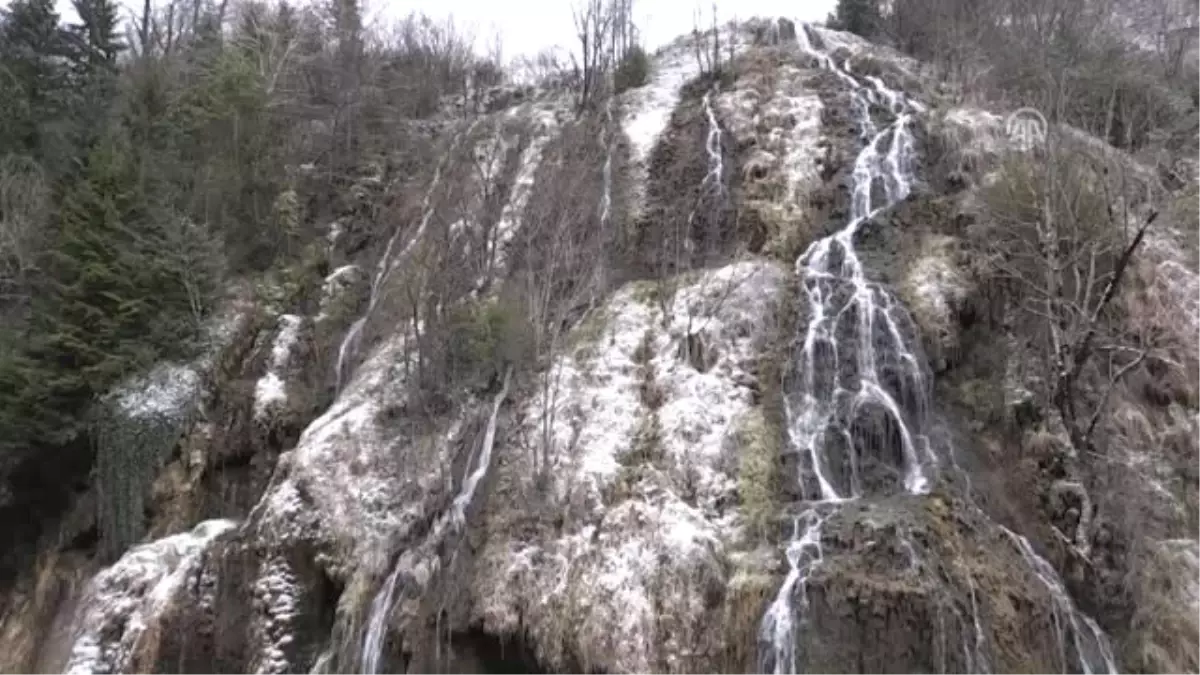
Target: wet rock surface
{"points": [[634, 512], [903, 583]]}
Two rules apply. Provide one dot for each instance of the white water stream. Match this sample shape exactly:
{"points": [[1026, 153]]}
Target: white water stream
{"points": [[381, 606], [383, 270], [712, 146], [607, 133], [854, 358]]}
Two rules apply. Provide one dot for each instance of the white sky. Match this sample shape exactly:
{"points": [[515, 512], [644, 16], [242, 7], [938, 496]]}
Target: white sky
{"points": [[528, 26]]}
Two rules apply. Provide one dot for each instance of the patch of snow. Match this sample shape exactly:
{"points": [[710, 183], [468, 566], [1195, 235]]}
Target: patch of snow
{"points": [[168, 390], [350, 474], [220, 329], [726, 309], [801, 142], [647, 109], [785, 130], [335, 287], [546, 119], [624, 564], [1174, 279], [976, 131], [934, 286], [270, 392], [336, 229], [1162, 298], [125, 600]]}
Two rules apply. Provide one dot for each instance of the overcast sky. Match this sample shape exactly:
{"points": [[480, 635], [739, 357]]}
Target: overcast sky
{"points": [[528, 26], [531, 25]]}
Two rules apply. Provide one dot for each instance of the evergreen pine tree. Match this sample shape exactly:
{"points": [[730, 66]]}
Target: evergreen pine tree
{"points": [[94, 47], [97, 33], [112, 302], [35, 90]]}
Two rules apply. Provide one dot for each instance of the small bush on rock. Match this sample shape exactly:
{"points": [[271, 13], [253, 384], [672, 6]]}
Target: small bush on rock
{"points": [[632, 71], [484, 338]]}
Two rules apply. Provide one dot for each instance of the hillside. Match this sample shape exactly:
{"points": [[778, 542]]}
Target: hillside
{"points": [[779, 349]]}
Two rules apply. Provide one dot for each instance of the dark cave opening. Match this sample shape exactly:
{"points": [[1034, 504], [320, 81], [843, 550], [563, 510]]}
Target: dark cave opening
{"points": [[475, 651]]}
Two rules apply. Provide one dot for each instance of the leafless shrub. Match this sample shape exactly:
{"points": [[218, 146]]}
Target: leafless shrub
{"points": [[558, 254], [1063, 238]]}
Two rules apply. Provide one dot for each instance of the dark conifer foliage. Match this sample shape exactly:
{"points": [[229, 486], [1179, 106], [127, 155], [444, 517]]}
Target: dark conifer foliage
{"points": [[145, 164]]}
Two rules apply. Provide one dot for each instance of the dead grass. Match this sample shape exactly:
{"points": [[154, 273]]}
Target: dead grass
{"points": [[1165, 624], [758, 473], [749, 591]]}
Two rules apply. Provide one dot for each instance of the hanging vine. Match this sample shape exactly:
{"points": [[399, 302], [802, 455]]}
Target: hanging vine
{"points": [[130, 446]]}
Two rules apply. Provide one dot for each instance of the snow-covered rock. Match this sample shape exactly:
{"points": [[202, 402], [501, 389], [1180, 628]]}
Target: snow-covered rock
{"points": [[122, 604], [337, 286], [646, 110], [350, 477], [270, 392], [774, 110], [641, 463], [934, 287]]}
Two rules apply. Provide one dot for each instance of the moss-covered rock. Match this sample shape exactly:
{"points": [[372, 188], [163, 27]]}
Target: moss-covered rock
{"points": [[758, 472], [903, 583]]}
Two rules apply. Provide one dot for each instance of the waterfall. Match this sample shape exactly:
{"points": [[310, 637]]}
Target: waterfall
{"points": [[853, 357], [467, 492], [607, 132], [381, 605], [712, 146], [846, 310], [383, 270], [1090, 644], [779, 630]]}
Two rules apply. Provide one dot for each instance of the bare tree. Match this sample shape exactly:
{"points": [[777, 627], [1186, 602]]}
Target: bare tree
{"points": [[707, 43], [607, 36], [557, 252], [1065, 234], [593, 29]]}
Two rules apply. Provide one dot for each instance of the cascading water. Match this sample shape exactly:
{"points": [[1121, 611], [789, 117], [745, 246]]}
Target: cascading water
{"points": [[803, 555], [828, 393], [381, 606], [607, 131], [853, 358], [848, 311], [467, 491], [1091, 645], [712, 186], [376, 629], [712, 146], [383, 270]]}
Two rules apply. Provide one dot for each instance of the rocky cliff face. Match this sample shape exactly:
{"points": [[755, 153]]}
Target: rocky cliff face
{"points": [[812, 450]]}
